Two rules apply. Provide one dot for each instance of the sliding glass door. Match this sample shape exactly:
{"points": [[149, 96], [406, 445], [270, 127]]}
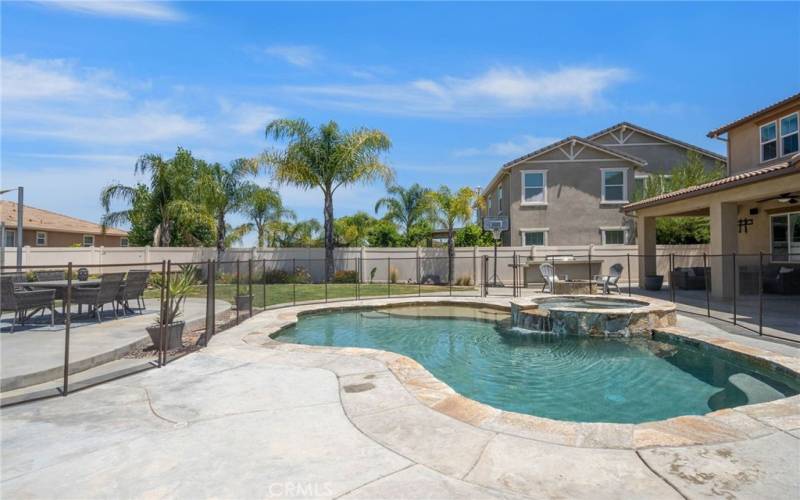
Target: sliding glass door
{"points": [[786, 237]]}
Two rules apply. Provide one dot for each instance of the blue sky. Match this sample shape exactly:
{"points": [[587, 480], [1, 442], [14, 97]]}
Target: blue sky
{"points": [[459, 88]]}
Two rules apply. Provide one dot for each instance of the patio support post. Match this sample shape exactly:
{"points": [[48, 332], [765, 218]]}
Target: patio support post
{"points": [[162, 310], [723, 218], [628, 255], [67, 321], [733, 263], [706, 272], [646, 241], [760, 293], [250, 286]]}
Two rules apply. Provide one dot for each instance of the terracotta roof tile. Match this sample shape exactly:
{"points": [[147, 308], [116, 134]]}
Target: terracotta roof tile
{"points": [[44, 220]]}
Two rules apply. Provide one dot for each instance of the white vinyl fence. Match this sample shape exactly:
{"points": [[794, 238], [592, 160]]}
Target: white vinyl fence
{"points": [[399, 264]]}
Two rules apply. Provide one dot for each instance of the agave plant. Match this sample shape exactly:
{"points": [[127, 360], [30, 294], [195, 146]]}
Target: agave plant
{"points": [[180, 285]]}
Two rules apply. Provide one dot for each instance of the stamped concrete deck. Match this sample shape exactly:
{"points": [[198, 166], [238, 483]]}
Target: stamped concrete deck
{"points": [[248, 417]]}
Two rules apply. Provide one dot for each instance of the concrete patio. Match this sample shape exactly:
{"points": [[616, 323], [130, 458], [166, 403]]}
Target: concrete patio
{"points": [[34, 353], [246, 418]]}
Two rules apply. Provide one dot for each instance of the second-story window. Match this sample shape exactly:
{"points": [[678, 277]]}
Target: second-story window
{"points": [[88, 240], [500, 200], [614, 187], [41, 238], [769, 141], [534, 187], [789, 134]]}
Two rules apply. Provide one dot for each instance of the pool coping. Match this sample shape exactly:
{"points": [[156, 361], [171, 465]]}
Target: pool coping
{"points": [[722, 426]]}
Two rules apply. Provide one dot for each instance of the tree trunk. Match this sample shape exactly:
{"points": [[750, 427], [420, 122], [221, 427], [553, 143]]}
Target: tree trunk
{"points": [[329, 263], [451, 253], [220, 234], [261, 236]]}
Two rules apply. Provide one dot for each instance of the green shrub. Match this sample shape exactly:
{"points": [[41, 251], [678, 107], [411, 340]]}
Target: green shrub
{"points": [[300, 276], [345, 277]]}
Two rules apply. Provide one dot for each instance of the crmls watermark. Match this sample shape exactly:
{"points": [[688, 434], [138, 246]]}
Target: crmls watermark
{"points": [[294, 489]]}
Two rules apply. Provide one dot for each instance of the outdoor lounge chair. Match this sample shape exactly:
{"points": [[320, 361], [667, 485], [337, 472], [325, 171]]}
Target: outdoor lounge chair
{"points": [[135, 285], [96, 297], [50, 275], [21, 301], [610, 280], [549, 275]]}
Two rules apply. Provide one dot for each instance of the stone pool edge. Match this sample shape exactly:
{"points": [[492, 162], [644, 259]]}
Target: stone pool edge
{"points": [[735, 424]]}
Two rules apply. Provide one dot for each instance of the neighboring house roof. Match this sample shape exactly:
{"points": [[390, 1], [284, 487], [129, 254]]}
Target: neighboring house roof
{"points": [[44, 220], [662, 137], [573, 138], [775, 170], [752, 116]]}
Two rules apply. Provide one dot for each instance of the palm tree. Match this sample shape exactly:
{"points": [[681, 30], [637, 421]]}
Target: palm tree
{"points": [[301, 234], [223, 191], [264, 206], [326, 158], [168, 196], [406, 206], [449, 209]]}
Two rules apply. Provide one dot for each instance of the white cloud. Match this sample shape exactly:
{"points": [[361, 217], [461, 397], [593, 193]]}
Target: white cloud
{"points": [[497, 91], [248, 118], [514, 147], [132, 9], [24, 79], [296, 55]]}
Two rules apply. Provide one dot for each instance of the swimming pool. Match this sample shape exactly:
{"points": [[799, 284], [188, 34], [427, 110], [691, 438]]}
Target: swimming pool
{"points": [[564, 377]]}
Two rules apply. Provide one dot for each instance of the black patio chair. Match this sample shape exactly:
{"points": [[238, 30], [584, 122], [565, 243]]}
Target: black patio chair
{"points": [[135, 285], [21, 301], [96, 297]]}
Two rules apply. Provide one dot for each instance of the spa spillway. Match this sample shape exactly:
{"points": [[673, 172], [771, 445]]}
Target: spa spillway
{"points": [[592, 315]]}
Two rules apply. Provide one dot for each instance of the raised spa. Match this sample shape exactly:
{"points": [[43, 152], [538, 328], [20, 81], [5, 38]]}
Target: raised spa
{"points": [[592, 315], [568, 377]]}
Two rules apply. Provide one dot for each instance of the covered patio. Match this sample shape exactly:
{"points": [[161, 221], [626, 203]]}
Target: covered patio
{"points": [[755, 230]]}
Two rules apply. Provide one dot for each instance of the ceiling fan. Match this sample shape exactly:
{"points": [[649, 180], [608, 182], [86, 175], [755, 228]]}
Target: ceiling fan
{"points": [[790, 198]]}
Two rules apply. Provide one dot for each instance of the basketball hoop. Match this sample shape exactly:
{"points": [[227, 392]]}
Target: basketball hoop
{"points": [[496, 234]]}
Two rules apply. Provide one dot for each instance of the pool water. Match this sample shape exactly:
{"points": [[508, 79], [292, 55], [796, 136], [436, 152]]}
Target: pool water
{"points": [[589, 303], [576, 378]]}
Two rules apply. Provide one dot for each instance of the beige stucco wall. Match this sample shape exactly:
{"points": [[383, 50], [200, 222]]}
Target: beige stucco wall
{"points": [[60, 239], [574, 212], [744, 142]]}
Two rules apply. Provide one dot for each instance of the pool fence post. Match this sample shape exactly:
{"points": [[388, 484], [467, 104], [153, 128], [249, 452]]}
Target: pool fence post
{"points": [[589, 263], [760, 294], [733, 263], [209, 302], [325, 277], [236, 300], [358, 275], [250, 286], [67, 324], [555, 275], [671, 276], [388, 277], [628, 255], [708, 285], [165, 311], [294, 281], [419, 282], [161, 310], [264, 278], [451, 266], [514, 274]]}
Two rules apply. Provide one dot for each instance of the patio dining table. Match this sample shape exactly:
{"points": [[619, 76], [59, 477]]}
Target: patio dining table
{"points": [[60, 286]]}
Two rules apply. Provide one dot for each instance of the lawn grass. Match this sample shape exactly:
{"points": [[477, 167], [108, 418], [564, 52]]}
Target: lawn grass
{"points": [[288, 293]]}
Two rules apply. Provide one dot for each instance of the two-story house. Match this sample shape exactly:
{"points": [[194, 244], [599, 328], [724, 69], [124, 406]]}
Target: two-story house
{"points": [[754, 212], [572, 191]]}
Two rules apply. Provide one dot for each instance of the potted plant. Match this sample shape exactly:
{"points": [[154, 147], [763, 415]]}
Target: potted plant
{"points": [[653, 282], [180, 286]]}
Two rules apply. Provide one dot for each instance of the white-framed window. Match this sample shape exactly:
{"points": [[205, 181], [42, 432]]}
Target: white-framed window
{"points": [[768, 136], [88, 240], [534, 237], [41, 239], [534, 187], [500, 200], [785, 237], [123, 242], [489, 205], [789, 134], [613, 235], [614, 187], [11, 237]]}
